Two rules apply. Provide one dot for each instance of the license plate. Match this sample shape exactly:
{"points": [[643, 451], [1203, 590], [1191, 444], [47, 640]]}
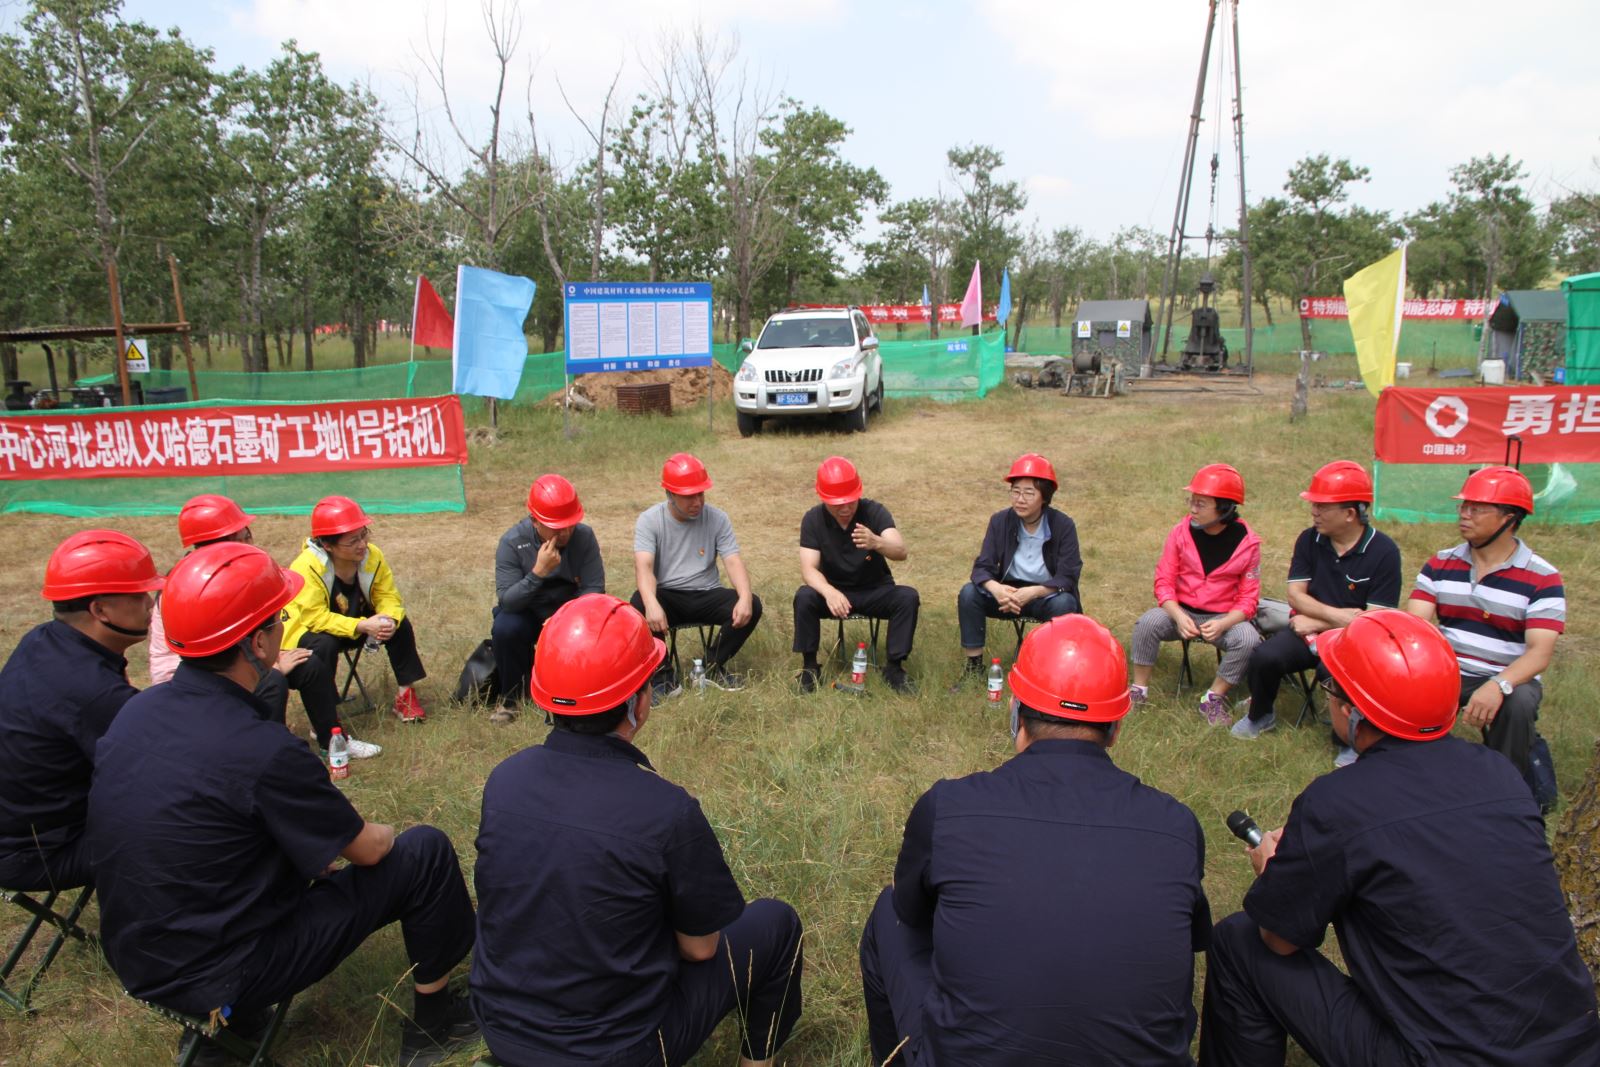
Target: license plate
{"points": [[791, 399]]}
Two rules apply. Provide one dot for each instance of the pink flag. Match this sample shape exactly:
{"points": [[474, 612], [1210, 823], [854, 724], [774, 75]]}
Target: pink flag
{"points": [[972, 303], [431, 324]]}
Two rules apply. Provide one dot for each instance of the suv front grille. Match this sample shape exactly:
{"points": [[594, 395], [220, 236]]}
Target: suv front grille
{"points": [[787, 377]]}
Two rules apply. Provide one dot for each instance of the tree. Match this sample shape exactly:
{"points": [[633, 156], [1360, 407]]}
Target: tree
{"points": [[1486, 236], [985, 217], [662, 201], [915, 250]]}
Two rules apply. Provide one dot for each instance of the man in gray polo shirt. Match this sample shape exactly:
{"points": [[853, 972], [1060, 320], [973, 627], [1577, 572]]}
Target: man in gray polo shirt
{"points": [[675, 548]]}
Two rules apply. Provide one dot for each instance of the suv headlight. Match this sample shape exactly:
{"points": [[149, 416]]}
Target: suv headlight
{"points": [[845, 368], [747, 372]]}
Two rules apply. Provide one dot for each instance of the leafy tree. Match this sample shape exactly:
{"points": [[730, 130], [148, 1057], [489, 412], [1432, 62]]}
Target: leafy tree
{"points": [[986, 211], [1576, 220], [1484, 237], [662, 204], [916, 249]]}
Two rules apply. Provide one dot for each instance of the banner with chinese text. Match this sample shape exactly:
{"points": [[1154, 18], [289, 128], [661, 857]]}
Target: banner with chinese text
{"points": [[879, 314], [1334, 307], [229, 441], [1555, 425]]}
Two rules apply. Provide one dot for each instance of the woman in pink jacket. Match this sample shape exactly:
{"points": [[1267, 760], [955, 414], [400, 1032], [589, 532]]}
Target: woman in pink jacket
{"points": [[1208, 581]]}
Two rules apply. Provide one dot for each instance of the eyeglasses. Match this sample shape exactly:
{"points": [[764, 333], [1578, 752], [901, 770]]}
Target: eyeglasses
{"points": [[355, 539], [1469, 510], [1023, 493], [1331, 687]]}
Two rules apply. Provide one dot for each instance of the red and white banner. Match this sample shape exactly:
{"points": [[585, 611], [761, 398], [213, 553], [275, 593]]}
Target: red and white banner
{"points": [[880, 314], [258, 439], [1334, 307], [1555, 425]]}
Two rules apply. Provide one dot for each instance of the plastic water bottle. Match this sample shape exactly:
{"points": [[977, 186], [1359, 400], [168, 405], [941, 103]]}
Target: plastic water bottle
{"points": [[372, 640], [997, 682], [858, 666], [338, 755], [697, 675]]}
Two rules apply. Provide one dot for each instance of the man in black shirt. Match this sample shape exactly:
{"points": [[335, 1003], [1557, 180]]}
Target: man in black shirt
{"points": [[846, 543]]}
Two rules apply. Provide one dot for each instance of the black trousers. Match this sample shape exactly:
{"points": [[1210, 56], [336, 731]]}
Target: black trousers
{"points": [[1273, 660], [896, 974], [897, 603], [1256, 998], [708, 607], [418, 884], [316, 678], [1512, 731], [513, 636], [44, 868]]}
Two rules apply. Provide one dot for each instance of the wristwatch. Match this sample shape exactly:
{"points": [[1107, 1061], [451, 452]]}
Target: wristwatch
{"points": [[1505, 686]]}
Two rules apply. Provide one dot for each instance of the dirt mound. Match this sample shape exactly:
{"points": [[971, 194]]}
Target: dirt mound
{"points": [[688, 385]]}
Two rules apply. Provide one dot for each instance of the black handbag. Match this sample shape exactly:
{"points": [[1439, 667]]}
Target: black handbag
{"points": [[478, 680]]}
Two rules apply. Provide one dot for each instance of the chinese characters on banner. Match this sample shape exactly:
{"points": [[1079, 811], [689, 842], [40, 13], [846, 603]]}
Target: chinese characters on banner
{"points": [[891, 314], [255, 439], [1555, 425], [1334, 307]]}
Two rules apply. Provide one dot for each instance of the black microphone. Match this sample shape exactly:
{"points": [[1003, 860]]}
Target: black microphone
{"points": [[1245, 828]]}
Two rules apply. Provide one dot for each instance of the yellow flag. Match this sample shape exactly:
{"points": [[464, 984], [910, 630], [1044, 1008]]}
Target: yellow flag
{"points": [[1376, 297]]}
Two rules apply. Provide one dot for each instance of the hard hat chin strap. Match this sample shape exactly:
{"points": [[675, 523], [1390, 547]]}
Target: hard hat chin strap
{"points": [[123, 630], [254, 660], [1504, 526]]}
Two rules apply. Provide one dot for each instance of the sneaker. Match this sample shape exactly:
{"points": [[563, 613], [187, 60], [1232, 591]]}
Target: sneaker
{"points": [[724, 679], [504, 715], [1248, 729], [360, 749], [424, 1048], [407, 708], [809, 679], [1346, 756], [1139, 694], [898, 680], [1214, 708]]}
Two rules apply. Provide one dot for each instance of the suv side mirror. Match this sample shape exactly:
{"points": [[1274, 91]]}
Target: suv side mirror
{"points": [[747, 346], [869, 341]]}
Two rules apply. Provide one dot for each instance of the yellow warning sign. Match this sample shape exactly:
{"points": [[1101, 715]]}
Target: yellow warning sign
{"points": [[137, 356]]}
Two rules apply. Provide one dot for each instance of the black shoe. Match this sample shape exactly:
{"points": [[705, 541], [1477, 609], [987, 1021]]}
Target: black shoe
{"points": [[971, 676], [424, 1048], [725, 680], [810, 678], [898, 680]]}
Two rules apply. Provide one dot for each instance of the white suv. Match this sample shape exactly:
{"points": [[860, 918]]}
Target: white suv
{"points": [[820, 361]]}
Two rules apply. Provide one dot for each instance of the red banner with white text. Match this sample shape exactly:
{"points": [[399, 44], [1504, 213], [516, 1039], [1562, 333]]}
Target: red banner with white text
{"points": [[1334, 307], [226, 441], [881, 314], [1555, 425]]}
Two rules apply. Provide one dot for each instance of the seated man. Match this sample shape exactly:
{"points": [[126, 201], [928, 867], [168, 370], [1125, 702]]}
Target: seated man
{"points": [[207, 520], [1500, 606], [1429, 859], [1208, 583], [610, 929], [1342, 566], [675, 548], [1048, 911], [846, 543], [1028, 565], [542, 562], [65, 682], [214, 833]]}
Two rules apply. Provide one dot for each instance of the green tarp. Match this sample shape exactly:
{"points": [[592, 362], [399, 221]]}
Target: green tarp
{"points": [[1583, 329]]}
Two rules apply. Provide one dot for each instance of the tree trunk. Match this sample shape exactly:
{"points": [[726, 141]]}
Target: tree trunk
{"points": [[8, 362], [309, 325], [1305, 330], [547, 332], [1577, 851], [205, 344], [72, 364], [358, 334], [277, 343], [289, 344], [1266, 306]]}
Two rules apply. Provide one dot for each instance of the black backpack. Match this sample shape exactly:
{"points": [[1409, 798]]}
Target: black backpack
{"points": [[478, 680], [1541, 775]]}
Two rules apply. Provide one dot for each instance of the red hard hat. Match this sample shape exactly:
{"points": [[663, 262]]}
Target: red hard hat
{"points": [[683, 475], [1034, 466], [1340, 482], [837, 481], [218, 595], [1072, 668], [1218, 480], [335, 515], [95, 562], [553, 502], [1498, 485], [1398, 671], [210, 517], [593, 654]]}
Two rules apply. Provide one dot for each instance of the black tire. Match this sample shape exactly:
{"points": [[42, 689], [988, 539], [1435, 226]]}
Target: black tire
{"points": [[748, 424], [856, 421], [878, 405]]}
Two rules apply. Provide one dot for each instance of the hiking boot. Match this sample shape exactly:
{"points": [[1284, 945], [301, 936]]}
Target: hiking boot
{"points": [[1248, 729], [971, 676], [421, 1047], [1139, 694], [1214, 708], [504, 715], [724, 679], [809, 678], [898, 680], [363, 749], [407, 708]]}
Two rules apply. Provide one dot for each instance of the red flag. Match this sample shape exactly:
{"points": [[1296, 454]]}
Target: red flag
{"points": [[431, 324]]}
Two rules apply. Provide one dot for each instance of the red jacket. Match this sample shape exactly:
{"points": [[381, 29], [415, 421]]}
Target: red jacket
{"points": [[1234, 586]]}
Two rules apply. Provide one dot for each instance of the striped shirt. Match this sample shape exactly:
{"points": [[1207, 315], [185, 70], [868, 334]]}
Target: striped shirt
{"points": [[1485, 617]]}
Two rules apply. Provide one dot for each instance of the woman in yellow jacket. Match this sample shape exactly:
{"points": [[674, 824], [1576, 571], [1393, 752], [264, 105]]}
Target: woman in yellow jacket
{"points": [[349, 597]]}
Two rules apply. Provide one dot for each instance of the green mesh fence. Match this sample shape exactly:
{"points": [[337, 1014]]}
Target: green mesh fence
{"points": [[1420, 340], [957, 366], [1424, 492]]}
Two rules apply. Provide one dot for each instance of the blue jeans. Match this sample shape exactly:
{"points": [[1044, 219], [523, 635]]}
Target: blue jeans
{"points": [[975, 603]]}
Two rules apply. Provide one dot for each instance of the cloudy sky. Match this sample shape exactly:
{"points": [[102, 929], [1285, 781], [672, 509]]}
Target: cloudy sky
{"points": [[1088, 102]]}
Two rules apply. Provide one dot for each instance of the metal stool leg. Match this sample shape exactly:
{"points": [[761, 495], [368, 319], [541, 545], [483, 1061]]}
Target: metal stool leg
{"points": [[1308, 697], [1185, 671], [352, 660], [43, 912], [255, 1052]]}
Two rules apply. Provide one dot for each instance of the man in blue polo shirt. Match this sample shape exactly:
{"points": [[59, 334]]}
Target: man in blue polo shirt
{"points": [[1342, 566], [214, 832], [610, 928], [65, 682], [1046, 912], [1428, 857]]}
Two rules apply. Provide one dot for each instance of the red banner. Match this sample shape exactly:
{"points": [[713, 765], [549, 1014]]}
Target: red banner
{"points": [[891, 314], [1555, 425], [258, 439], [1333, 307]]}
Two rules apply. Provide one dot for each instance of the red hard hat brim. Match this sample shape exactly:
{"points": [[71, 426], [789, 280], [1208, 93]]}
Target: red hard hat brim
{"points": [[606, 699], [687, 490], [74, 591], [557, 524], [217, 535]]}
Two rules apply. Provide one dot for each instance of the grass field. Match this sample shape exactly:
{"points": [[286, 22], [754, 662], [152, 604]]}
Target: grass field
{"points": [[809, 794]]}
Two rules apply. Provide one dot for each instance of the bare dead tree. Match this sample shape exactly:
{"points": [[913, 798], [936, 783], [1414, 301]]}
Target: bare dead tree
{"points": [[597, 193]]}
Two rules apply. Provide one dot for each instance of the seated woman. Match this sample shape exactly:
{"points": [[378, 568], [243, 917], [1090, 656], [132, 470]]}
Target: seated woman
{"points": [[1208, 582], [1028, 566], [349, 598]]}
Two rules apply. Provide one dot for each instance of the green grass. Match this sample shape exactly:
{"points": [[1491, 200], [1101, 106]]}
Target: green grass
{"points": [[809, 794]]}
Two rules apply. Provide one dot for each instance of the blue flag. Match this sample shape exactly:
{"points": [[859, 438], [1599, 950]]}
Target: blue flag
{"points": [[490, 348], [1003, 312], [925, 300]]}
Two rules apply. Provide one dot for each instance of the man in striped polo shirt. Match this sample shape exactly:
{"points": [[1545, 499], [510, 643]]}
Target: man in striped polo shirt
{"points": [[1501, 607]]}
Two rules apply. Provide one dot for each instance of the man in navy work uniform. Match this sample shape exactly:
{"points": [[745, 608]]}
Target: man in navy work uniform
{"points": [[610, 928], [1342, 566], [63, 685], [1428, 857], [213, 832], [1048, 911], [846, 543], [542, 562]]}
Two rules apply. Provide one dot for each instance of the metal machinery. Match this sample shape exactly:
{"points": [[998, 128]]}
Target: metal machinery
{"points": [[1205, 348]]}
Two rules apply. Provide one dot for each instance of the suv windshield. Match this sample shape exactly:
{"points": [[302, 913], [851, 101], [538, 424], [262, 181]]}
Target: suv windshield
{"points": [[807, 333]]}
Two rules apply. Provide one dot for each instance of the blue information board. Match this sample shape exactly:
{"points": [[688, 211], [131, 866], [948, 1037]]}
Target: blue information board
{"points": [[622, 326]]}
